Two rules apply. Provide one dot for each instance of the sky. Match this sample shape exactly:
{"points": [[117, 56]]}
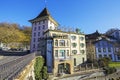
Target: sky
{"points": [[88, 15]]}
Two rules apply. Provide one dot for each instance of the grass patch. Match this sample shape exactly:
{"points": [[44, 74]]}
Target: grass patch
{"points": [[114, 64]]}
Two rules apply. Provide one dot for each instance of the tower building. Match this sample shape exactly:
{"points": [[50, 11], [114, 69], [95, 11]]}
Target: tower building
{"points": [[40, 24], [62, 50]]}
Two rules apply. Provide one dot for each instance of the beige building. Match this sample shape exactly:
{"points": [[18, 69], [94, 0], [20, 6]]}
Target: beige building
{"points": [[68, 50], [63, 50]]}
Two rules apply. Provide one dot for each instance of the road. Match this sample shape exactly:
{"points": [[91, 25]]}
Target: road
{"points": [[12, 64]]}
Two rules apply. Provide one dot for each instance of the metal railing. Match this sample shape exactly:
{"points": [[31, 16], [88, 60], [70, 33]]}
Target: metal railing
{"points": [[10, 70]]}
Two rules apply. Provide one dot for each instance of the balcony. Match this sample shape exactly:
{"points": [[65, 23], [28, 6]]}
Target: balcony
{"points": [[62, 59]]}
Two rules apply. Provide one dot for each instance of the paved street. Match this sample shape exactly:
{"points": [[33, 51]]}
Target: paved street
{"points": [[11, 64]]}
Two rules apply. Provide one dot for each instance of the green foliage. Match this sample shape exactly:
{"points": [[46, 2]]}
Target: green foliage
{"points": [[114, 64], [40, 70], [78, 30], [45, 74], [10, 33], [109, 70], [103, 62], [37, 68]]}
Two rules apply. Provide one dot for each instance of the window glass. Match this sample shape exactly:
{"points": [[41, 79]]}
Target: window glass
{"points": [[74, 51], [82, 51], [109, 49], [99, 49], [38, 33], [100, 56], [56, 42], [82, 45], [39, 28], [74, 45], [81, 38], [62, 42], [67, 52], [34, 28], [62, 53], [73, 37], [43, 26], [56, 53], [74, 61], [104, 49]]}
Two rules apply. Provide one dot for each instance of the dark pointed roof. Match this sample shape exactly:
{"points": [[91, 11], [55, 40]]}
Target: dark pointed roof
{"points": [[44, 15], [93, 35], [44, 12]]}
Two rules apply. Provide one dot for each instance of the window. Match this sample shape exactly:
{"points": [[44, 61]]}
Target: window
{"points": [[105, 55], [39, 28], [43, 26], [104, 49], [62, 42], [73, 37], [100, 56], [34, 28], [110, 56], [109, 49], [67, 43], [56, 42], [82, 51], [35, 23], [38, 39], [34, 40], [38, 45], [83, 59], [74, 45], [42, 33], [33, 45], [56, 53], [62, 53], [118, 57], [82, 45], [81, 38], [54, 35], [67, 52], [99, 49], [34, 34], [50, 27], [38, 33], [74, 61], [74, 51]]}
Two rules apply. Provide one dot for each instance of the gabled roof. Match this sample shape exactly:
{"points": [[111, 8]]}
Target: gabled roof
{"points": [[93, 35]]}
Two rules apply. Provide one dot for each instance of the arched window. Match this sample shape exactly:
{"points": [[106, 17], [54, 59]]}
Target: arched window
{"points": [[74, 45], [62, 42], [82, 45]]}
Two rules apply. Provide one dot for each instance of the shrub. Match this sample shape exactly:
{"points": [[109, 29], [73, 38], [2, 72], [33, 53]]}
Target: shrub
{"points": [[109, 70]]}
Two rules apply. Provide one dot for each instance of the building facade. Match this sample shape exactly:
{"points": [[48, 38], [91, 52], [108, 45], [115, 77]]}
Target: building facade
{"points": [[104, 48], [68, 50], [101, 45], [40, 24], [63, 50]]}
